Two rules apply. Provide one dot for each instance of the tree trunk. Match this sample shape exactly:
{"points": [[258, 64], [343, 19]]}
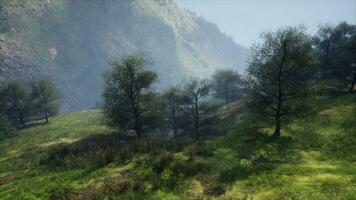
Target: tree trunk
{"points": [[196, 120], [327, 60], [226, 92], [22, 121], [45, 110], [134, 105], [46, 116], [175, 131], [175, 126], [353, 83], [278, 113], [277, 129], [138, 128], [196, 128], [174, 120]]}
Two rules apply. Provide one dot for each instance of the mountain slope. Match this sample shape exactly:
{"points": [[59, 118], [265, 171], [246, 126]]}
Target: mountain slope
{"points": [[73, 42], [314, 159]]}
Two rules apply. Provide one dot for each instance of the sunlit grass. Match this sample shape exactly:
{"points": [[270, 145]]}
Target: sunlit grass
{"points": [[21, 154]]}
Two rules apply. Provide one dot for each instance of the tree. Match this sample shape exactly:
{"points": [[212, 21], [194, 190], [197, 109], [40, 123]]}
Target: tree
{"points": [[227, 85], [344, 67], [337, 53], [44, 98], [6, 128], [129, 100], [351, 73], [324, 46], [277, 72], [198, 110], [173, 108], [14, 103]]}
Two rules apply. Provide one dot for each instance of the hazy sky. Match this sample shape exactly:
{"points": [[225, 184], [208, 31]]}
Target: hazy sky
{"points": [[244, 20]]}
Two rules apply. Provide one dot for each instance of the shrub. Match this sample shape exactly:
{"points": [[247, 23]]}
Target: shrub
{"points": [[59, 193], [168, 179], [214, 190], [92, 151], [161, 161], [98, 150], [231, 174], [199, 149], [116, 185], [89, 192], [189, 168]]}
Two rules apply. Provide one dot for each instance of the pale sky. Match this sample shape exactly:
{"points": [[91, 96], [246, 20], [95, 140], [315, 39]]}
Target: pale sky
{"points": [[244, 20]]}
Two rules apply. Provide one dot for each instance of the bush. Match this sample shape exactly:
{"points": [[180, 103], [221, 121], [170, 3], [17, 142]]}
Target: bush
{"points": [[59, 193], [190, 168], [115, 185], [98, 150], [199, 149], [88, 192], [231, 174], [214, 190], [93, 151], [169, 179], [161, 161]]}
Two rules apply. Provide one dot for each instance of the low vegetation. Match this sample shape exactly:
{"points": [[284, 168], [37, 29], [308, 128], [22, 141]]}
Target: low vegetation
{"points": [[77, 156]]}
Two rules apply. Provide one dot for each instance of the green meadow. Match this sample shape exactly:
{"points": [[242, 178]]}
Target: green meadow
{"points": [[314, 159]]}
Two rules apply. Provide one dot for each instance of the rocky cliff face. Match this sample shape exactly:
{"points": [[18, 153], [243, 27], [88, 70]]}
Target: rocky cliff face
{"points": [[72, 42]]}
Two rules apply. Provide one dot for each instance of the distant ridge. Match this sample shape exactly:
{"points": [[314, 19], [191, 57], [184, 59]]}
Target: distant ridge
{"points": [[72, 42]]}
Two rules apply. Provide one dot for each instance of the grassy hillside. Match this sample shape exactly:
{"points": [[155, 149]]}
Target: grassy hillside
{"points": [[315, 159], [73, 42]]}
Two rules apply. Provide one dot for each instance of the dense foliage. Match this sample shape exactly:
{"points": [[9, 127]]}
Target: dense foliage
{"points": [[336, 47], [15, 102], [44, 98], [131, 104], [227, 85], [129, 101], [6, 127], [278, 72], [200, 112], [20, 105]]}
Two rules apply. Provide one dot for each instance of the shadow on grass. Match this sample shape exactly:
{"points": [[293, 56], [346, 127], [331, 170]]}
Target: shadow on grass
{"points": [[36, 123], [255, 152], [98, 150]]}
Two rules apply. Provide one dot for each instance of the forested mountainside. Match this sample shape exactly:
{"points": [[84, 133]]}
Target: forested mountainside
{"points": [[72, 42]]}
